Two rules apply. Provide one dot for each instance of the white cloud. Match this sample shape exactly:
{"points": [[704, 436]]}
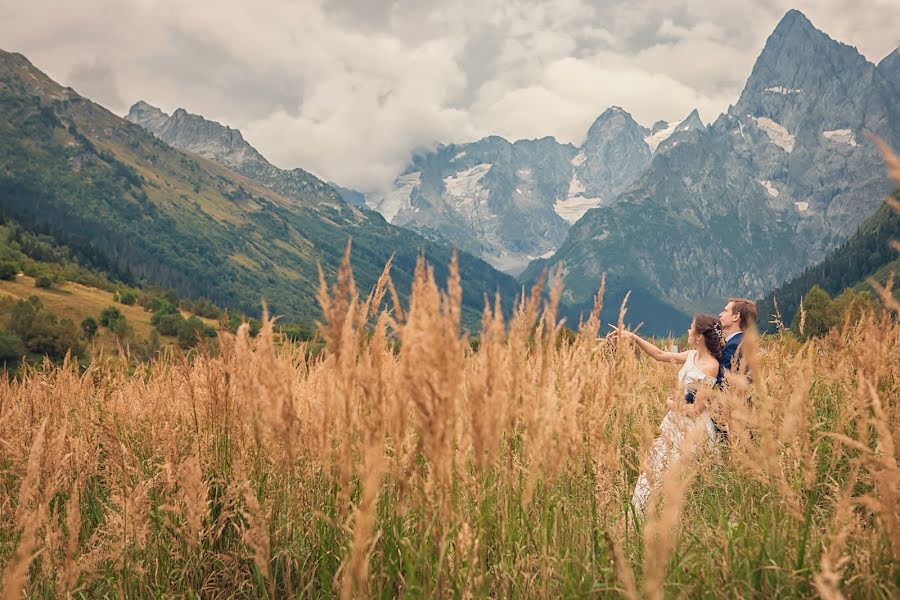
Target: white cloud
{"points": [[349, 88]]}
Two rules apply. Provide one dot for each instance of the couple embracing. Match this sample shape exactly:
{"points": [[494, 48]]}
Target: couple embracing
{"points": [[716, 347]]}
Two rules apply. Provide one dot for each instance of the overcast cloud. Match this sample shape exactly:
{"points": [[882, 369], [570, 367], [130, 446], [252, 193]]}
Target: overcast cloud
{"points": [[348, 89]]}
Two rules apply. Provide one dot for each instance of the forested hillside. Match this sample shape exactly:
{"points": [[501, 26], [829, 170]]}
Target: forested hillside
{"points": [[866, 254], [142, 212]]}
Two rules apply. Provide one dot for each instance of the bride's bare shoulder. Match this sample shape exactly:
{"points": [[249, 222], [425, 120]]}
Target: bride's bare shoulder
{"points": [[709, 366]]}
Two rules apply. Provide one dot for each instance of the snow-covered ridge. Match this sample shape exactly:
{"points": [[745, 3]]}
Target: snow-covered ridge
{"points": [[783, 90], [778, 135], [459, 156], [843, 136], [579, 158]]}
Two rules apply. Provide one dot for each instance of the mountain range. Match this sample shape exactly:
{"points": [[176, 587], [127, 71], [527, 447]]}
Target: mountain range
{"points": [[513, 202], [682, 214], [213, 219]]}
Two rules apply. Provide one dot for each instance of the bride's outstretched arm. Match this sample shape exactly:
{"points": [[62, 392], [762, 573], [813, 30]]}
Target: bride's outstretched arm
{"points": [[651, 349]]}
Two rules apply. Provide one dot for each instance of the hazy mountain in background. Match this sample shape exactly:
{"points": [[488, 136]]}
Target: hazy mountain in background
{"points": [[128, 203], [766, 190], [513, 202]]}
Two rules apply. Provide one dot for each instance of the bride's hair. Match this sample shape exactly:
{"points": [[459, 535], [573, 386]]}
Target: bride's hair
{"points": [[713, 338]]}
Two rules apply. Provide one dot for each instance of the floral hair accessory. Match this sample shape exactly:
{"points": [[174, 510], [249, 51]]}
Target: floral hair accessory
{"points": [[720, 333]]}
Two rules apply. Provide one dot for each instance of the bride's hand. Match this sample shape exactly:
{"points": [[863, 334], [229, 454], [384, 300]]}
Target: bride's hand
{"points": [[670, 402], [617, 333]]}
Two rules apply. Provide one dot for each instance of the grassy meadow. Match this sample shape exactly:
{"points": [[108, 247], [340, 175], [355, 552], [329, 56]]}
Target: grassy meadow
{"points": [[76, 301], [401, 462]]}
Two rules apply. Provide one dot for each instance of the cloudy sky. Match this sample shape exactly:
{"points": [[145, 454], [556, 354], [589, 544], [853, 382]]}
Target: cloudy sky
{"points": [[349, 88]]}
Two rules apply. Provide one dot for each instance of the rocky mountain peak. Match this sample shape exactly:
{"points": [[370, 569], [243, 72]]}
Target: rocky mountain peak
{"points": [[691, 122], [793, 21], [226, 146], [889, 67], [196, 134], [612, 119], [797, 68], [147, 116]]}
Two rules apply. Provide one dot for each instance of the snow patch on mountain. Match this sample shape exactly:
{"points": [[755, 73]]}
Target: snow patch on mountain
{"points": [[573, 208], [398, 198], [783, 90], [802, 206], [575, 186], [545, 255], [655, 139], [579, 158], [464, 187], [770, 188], [459, 156], [778, 135], [843, 136], [465, 181]]}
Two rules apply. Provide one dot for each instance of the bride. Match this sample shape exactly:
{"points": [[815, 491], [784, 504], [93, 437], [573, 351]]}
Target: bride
{"points": [[687, 410]]}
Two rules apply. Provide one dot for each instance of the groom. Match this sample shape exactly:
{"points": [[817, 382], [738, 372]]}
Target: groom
{"points": [[737, 317]]}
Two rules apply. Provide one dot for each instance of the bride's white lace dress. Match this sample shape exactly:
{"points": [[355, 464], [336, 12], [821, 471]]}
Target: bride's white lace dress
{"points": [[666, 448]]}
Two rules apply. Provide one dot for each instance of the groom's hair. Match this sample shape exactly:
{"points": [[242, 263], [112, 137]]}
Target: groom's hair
{"points": [[747, 310]]}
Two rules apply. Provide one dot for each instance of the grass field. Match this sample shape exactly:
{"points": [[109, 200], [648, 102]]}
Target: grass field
{"points": [[76, 302], [400, 462]]}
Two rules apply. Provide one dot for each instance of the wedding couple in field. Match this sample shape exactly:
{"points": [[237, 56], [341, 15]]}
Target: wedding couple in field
{"points": [[716, 347]]}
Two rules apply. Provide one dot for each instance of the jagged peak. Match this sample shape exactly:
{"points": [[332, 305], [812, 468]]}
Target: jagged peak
{"points": [[793, 18], [182, 114], [142, 107], [610, 114], [796, 60], [692, 121]]}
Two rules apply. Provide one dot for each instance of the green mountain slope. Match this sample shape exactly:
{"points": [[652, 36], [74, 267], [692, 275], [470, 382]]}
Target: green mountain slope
{"points": [[866, 254], [128, 204]]}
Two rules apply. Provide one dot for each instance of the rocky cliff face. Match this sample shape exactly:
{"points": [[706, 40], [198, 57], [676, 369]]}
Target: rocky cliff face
{"points": [[889, 67], [763, 192], [513, 202], [228, 147]]}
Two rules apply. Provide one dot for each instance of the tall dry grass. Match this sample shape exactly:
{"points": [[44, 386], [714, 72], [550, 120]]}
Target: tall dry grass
{"points": [[402, 462]]}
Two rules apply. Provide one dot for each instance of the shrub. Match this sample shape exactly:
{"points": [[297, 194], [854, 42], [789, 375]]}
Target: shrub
{"points": [[89, 327], [43, 281], [8, 271], [41, 332], [109, 316], [161, 306], [168, 324], [121, 328], [190, 332], [128, 298]]}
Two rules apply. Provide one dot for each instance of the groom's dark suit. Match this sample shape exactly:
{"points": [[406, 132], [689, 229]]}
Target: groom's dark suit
{"points": [[731, 358]]}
